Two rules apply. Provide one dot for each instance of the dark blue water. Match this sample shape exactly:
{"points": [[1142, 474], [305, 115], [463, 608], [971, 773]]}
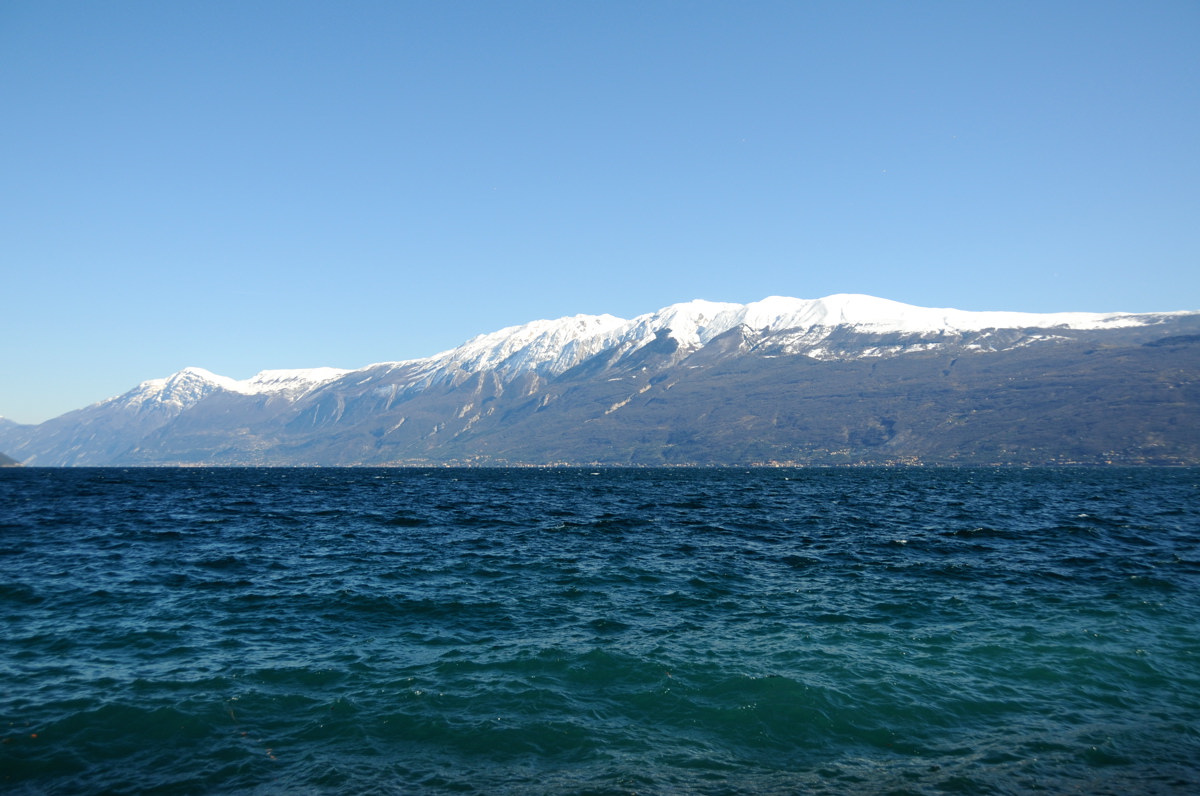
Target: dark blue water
{"points": [[620, 631]]}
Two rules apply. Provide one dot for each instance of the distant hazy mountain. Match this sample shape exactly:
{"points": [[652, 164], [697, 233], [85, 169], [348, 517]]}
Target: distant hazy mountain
{"points": [[845, 379]]}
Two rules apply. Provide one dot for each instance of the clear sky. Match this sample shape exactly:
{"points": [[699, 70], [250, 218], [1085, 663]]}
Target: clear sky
{"points": [[249, 185]]}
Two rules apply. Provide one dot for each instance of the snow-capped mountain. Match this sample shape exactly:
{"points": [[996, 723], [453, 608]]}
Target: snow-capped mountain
{"points": [[550, 347], [782, 379], [191, 385]]}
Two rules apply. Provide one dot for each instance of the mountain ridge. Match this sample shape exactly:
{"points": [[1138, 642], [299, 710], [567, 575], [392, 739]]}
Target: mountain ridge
{"points": [[537, 392], [550, 342]]}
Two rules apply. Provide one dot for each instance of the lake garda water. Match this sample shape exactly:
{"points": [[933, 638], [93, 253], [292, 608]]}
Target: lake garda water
{"points": [[615, 631]]}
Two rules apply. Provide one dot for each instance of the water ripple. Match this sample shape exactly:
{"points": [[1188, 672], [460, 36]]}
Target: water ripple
{"points": [[555, 631]]}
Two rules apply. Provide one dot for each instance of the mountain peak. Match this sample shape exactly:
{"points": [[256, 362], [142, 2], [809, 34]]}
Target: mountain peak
{"points": [[177, 391], [189, 386], [551, 347], [699, 381], [554, 346]]}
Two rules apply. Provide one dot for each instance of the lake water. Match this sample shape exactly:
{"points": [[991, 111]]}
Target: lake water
{"points": [[555, 631]]}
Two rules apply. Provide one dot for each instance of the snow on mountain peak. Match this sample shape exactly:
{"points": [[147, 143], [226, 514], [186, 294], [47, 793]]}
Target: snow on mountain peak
{"points": [[885, 315], [179, 390], [192, 384], [556, 344], [300, 379], [691, 323], [551, 347]]}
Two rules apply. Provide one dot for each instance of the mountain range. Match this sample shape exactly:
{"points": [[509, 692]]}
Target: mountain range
{"points": [[842, 380]]}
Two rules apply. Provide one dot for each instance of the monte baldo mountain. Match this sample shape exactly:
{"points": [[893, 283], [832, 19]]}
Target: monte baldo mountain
{"points": [[842, 380]]}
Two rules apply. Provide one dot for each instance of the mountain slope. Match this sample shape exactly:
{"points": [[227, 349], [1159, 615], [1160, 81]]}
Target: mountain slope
{"points": [[840, 380]]}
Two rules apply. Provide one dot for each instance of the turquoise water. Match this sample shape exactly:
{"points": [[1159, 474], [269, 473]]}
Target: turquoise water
{"points": [[615, 631]]}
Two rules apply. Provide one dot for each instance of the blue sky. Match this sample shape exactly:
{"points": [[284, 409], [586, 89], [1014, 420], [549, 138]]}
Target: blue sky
{"points": [[252, 185]]}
